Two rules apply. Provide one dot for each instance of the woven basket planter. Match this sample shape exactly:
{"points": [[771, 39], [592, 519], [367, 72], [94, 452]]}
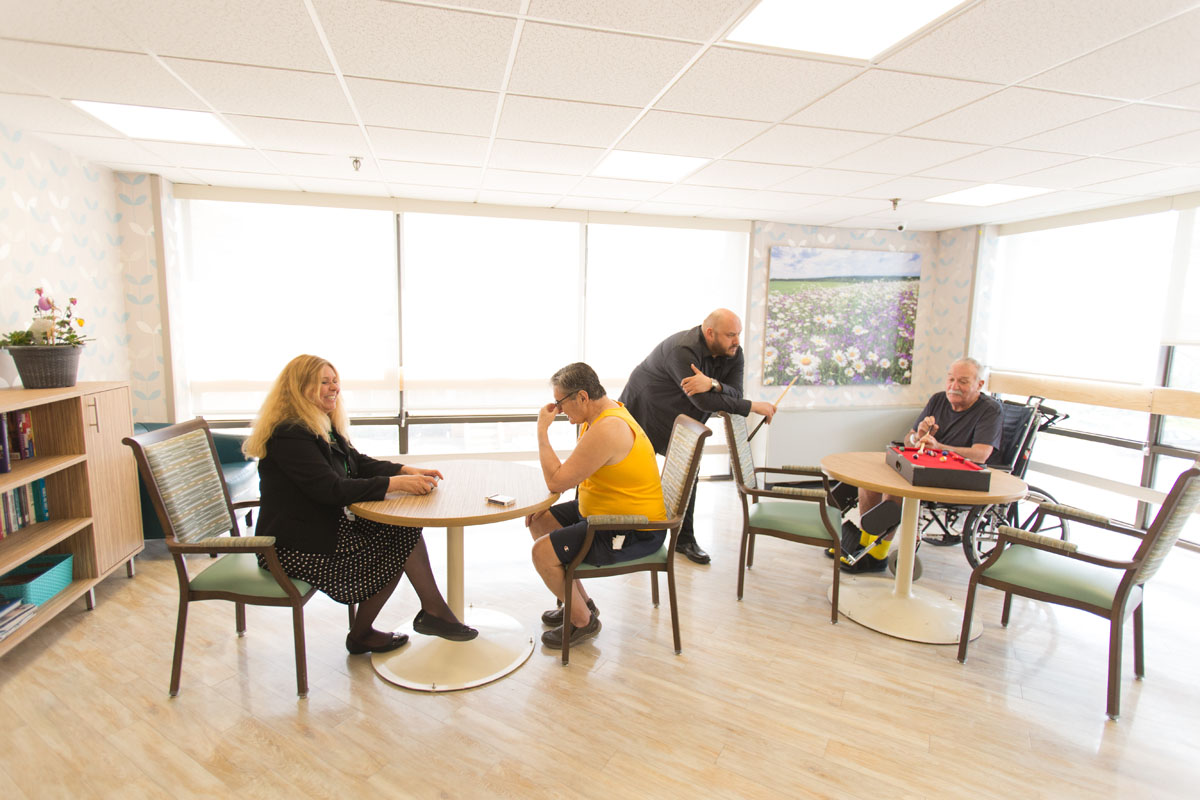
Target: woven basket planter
{"points": [[46, 366]]}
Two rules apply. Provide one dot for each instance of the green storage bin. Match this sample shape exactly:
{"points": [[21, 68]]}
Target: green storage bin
{"points": [[38, 579]]}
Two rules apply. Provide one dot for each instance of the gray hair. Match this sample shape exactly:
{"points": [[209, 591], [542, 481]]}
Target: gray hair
{"points": [[980, 369], [578, 377]]}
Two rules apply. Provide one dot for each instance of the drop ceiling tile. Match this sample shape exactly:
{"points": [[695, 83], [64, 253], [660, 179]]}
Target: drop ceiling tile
{"points": [[265, 92], [901, 155], [519, 199], [880, 101], [12, 83], [1182, 149], [758, 86], [1118, 70], [536, 157], [1168, 181], [562, 122], [46, 115], [1005, 42], [807, 147], [1084, 172], [698, 21], [417, 174], [1127, 126], [319, 166], [300, 137], [535, 182], [831, 181], [102, 150], [593, 66], [270, 33], [353, 188], [783, 201], [618, 189], [73, 73], [63, 22], [244, 180], [689, 134], [425, 108], [444, 193], [1185, 98], [417, 44], [201, 156], [671, 209], [1053, 203], [596, 204], [1010, 115], [742, 175], [706, 196], [913, 188], [996, 164], [844, 207], [438, 148]]}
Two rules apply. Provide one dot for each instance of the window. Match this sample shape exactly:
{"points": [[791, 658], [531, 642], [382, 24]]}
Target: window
{"points": [[263, 283]]}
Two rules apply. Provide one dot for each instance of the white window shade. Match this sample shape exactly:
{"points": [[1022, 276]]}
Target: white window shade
{"points": [[1181, 323], [263, 283], [645, 283], [491, 309]]}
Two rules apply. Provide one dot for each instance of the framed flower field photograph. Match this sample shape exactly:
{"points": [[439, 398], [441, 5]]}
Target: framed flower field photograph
{"points": [[840, 317]]}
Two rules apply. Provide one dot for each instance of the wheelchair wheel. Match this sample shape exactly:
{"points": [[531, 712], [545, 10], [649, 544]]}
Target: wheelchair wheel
{"points": [[983, 523]]}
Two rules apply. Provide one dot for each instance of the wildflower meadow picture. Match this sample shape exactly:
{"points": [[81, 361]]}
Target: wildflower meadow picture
{"points": [[840, 317]]}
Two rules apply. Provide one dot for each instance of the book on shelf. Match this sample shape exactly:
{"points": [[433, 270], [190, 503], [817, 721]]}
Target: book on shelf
{"points": [[5, 456], [41, 503], [20, 433], [15, 615]]}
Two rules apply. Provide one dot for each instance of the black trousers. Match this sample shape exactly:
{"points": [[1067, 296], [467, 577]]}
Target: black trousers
{"points": [[687, 534]]}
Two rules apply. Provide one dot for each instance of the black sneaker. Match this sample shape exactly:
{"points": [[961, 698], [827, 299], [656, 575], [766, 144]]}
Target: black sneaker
{"points": [[554, 616], [553, 637]]}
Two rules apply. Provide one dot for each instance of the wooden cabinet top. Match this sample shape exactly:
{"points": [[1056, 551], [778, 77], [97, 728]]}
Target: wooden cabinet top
{"points": [[16, 399]]}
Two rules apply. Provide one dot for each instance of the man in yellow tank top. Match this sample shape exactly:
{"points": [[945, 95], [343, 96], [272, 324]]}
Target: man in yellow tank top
{"points": [[614, 467]]}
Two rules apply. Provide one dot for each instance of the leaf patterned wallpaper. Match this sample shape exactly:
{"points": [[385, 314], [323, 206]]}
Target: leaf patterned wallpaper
{"points": [[943, 310]]}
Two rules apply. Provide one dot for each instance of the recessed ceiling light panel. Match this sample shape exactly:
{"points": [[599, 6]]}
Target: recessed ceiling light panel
{"points": [[161, 124], [989, 194], [647, 166]]}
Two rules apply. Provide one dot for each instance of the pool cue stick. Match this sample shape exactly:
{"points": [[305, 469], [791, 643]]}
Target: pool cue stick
{"points": [[777, 402]]}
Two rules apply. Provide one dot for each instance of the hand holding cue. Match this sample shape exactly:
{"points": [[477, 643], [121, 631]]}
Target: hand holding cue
{"points": [[776, 404]]}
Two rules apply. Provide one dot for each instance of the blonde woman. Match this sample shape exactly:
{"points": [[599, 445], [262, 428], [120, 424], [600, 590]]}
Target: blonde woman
{"points": [[308, 473]]}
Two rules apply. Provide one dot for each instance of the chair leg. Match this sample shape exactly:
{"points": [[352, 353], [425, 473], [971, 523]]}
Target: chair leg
{"points": [[568, 593], [301, 658], [837, 579], [1007, 608], [742, 563], [240, 614], [1116, 624], [674, 608], [1139, 655], [654, 588], [964, 636], [750, 553], [177, 661]]}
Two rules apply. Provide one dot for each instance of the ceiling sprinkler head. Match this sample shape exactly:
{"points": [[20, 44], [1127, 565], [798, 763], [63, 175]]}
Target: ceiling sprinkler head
{"points": [[895, 203], [356, 162]]}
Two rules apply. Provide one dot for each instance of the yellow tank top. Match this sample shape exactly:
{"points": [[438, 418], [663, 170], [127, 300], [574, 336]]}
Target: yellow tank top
{"points": [[632, 485]]}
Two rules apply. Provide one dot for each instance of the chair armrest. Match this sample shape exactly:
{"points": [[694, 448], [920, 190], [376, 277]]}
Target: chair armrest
{"points": [[1088, 518], [618, 521], [791, 493], [1029, 537], [247, 503], [1010, 535], [793, 470], [227, 544]]}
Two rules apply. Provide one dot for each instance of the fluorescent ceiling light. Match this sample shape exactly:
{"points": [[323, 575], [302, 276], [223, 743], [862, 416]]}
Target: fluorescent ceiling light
{"points": [[989, 194], [165, 124], [647, 166], [852, 28]]}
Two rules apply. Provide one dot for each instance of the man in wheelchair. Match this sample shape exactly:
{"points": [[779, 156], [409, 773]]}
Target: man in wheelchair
{"points": [[961, 420]]}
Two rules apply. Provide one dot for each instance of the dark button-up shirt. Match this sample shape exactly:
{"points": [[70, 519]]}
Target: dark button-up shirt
{"points": [[655, 396]]}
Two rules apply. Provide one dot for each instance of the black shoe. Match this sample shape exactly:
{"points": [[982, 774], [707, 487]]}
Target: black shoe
{"points": [[554, 616], [945, 540], [867, 563], [693, 552], [554, 636], [429, 625], [357, 648]]}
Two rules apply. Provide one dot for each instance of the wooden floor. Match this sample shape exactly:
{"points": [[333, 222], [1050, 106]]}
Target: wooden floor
{"points": [[768, 700]]}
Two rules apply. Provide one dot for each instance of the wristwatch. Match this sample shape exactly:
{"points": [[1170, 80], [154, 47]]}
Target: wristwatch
{"points": [[716, 385]]}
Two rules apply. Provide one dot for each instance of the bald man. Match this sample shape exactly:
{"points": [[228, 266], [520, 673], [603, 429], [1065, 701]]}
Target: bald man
{"points": [[694, 372]]}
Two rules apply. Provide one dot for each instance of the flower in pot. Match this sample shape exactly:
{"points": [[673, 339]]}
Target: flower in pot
{"points": [[47, 355]]}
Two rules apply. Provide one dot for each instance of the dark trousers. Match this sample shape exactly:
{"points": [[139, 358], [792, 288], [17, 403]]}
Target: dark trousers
{"points": [[687, 535]]}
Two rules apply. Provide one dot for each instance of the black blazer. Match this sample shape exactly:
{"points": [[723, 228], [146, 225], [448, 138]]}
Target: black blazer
{"points": [[305, 482]]}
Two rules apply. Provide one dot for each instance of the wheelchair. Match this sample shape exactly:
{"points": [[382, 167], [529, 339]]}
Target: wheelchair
{"points": [[975, 527]]}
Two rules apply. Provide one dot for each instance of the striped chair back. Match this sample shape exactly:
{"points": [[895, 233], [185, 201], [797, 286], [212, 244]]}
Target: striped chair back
{"points": [[739, 450], [1176, 510], [185, 474], [679, 469]]}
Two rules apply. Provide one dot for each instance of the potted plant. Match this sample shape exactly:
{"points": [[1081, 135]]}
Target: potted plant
{"points": [[47, 355]]}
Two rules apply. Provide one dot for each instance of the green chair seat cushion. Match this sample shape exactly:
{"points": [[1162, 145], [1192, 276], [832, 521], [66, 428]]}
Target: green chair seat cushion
{"points": [[794, 516], [1057, 574], [240, 573], [657, 557]]}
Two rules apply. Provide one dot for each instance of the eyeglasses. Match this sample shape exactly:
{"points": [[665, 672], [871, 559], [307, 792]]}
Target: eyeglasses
{"points": [[558, 404]]}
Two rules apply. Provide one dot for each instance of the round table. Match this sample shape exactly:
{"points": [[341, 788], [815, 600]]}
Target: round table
{"points": [[898, 608], [431, 663]]}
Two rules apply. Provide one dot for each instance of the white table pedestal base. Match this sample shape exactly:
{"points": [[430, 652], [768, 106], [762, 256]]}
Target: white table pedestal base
{"points": [[433, 664], [921, 615]]}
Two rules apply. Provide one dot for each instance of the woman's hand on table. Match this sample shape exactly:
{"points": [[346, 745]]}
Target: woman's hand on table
{"points": [[422, 482]]}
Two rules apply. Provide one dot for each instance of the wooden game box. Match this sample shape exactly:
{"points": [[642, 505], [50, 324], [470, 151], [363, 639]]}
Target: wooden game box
{"points": [[929, 470]]}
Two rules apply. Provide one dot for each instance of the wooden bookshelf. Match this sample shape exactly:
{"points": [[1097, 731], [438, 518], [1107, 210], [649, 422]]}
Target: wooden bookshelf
{"points": [[91, 488]]}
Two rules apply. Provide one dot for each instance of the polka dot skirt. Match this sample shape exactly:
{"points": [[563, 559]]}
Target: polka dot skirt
{"points": [[367, 556]]}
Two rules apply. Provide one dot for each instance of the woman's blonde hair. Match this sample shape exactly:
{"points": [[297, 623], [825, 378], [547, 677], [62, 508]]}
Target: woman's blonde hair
{"points": [[293, 398]]}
